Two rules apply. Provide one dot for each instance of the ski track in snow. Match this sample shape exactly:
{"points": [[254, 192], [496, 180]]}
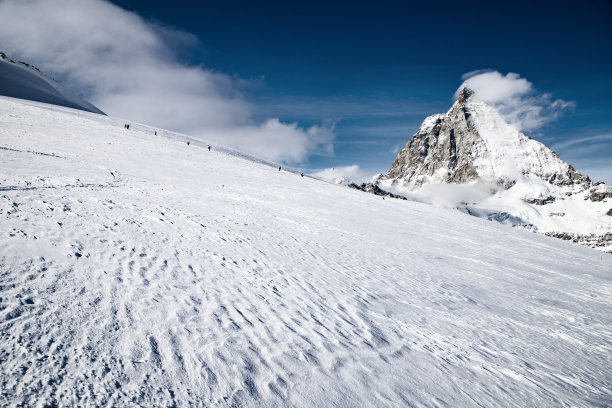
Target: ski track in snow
{"points": [[137, 271]]}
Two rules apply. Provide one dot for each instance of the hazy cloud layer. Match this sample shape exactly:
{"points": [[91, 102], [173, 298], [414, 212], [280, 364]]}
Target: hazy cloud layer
{"points": [[343, 173], [126, 66], [515, 98], [591, 155], [584, 141]]}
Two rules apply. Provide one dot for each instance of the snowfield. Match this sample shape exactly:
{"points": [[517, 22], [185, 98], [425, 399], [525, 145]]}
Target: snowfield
{"points": [[138, 271]]}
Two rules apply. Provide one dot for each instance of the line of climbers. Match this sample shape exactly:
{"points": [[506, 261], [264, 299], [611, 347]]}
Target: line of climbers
{"points": [[279, 167], [127, 126]]}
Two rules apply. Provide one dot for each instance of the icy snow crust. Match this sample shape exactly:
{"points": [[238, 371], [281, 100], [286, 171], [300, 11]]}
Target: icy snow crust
{"points": [[135, 270]]}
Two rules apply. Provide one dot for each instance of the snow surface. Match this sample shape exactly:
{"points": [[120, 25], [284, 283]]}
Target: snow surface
{"points": [[21, 80], [135, 270], [504, 152]]}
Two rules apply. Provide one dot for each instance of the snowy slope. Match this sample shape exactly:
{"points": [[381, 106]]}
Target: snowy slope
{"points": [[21, 80], [135, 270], [472, 159]]}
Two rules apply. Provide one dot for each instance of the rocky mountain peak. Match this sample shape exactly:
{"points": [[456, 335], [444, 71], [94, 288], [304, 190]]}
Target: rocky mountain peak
{"points": [[473, 142], [524, 182], [464, 94]]}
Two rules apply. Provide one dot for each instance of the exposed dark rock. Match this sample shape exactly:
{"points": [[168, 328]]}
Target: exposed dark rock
{"points": [[539, 201], [506, 218], [599, 194], [442, 144], [561, 235], [464, 94], [609, 212], [591, 240], [570, 178], [505, 183], [374, 189]]}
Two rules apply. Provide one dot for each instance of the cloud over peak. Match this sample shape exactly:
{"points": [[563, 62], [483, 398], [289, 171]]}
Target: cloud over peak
{"points": [[128, 67], [515, 98]]}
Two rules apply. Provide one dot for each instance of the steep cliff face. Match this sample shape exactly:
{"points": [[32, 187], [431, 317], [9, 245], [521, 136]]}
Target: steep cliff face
{"points": [[439, 152], [516, 179], [472, 141]]}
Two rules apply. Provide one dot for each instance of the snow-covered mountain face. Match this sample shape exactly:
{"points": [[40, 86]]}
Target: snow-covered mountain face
{"points": [[24, 81], [138, 271], [503, 175]]}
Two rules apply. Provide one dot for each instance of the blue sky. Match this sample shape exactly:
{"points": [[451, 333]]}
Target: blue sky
{"points": [[323, 61], [350, 82]]}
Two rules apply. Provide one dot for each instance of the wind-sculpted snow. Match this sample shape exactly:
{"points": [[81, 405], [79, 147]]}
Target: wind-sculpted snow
{"points": [[138, 271]]}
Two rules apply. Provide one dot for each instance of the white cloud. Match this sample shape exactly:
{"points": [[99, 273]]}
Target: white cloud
{"points": [[590, 155], [515, 98], [343, 174], [588, 140], [276, 140], [451, 195], [127, 67]]}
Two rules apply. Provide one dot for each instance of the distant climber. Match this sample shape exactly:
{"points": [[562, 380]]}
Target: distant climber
{"points": [[209, 148], [188, 143], [279, 168], [156, 133], [302, 174]]}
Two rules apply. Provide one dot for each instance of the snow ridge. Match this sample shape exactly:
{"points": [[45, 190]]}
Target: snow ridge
{"points": [[19, 79]]}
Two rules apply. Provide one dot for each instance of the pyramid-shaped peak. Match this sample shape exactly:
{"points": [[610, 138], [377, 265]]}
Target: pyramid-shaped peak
{"points": [[472, 141], [464, 94]]}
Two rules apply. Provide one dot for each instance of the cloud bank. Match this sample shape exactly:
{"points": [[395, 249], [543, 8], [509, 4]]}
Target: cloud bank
{"points": [[127, 67], [343, 173], [591, 155], [515, 98]]}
